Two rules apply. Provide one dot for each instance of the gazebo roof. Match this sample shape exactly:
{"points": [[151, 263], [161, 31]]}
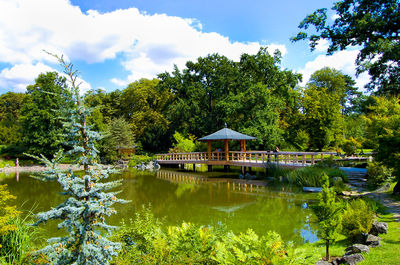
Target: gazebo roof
{"points": [[227, 134]]}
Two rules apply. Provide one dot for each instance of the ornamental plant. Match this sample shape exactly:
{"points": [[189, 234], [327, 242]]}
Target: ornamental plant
{"points": [[89, 199]]}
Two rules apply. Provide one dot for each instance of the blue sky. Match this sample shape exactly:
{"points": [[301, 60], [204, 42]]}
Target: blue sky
{"points": [[113, 43]]}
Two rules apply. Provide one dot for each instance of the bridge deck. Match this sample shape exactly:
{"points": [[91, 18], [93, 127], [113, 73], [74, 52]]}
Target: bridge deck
{"points": [[254, 158]]}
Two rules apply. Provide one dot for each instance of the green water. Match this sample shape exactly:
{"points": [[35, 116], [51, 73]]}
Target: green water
{"points": [[202, 198]]}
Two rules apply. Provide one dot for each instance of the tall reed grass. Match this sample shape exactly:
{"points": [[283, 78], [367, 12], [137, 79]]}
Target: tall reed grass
{"points": [[15, 245]]}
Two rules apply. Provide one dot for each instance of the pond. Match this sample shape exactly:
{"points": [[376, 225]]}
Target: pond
{"points": [[201, 198]]}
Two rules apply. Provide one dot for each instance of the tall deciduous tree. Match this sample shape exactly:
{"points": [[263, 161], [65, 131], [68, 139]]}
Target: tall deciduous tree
{"points": [[373, 25], [10, 111], [41, 127], [143, 104], [383, 129], [89, 201], [322, 118]]}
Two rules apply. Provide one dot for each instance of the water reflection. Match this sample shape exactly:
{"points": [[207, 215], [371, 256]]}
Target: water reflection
{"points": [[192, 197]]}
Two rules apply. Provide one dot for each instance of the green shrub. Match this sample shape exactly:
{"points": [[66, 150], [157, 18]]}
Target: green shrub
{"points": [[301, 140], [182, 144], [146, 241], [138, 159], [15, 232], [350, 146], [7, 163], [357, 218], [378, 173], [312, 176]]}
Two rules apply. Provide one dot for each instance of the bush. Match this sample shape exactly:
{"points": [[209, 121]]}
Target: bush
{"points": [[7, 163], [183, 145], [138, 159], [146, 241], [350, 146], [378, 173], [15, 232], [357, 218]]}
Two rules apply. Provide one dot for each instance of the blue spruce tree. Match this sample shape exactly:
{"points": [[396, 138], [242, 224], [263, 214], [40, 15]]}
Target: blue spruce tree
{"points": [[89, 199]]}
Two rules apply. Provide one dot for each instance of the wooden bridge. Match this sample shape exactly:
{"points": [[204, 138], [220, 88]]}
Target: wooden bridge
{"points": [[244, 158], [254, 158]]}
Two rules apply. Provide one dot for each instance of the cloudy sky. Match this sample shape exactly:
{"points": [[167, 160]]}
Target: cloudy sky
{"points": [[115, 42]]}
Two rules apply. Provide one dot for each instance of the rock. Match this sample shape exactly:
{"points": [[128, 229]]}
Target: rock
{"points": [[312, 189], [337, 179], [352, 259], [322, 262], [379, 228], [241, 176], [249, 176], [270, 178], [357, 248], [383, 188], [372, 241]]}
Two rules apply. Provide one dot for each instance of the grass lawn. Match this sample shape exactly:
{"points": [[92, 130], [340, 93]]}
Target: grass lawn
{"points": [[388, 253]]}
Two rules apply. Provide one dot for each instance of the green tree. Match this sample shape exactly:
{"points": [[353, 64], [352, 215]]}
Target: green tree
{"points": [[105, 107], [383, 129], [41, 127], [373, 25], [10, 111], [322, 118], [251, 96], [336, 83], [118, 133], [182, 144], [83, 213], [328, 213], [143, 104]]}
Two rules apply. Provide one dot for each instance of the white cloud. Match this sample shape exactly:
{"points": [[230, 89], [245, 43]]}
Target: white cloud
{"points": [[342, 60], [20, 76], [322, 45], [149, 44]]}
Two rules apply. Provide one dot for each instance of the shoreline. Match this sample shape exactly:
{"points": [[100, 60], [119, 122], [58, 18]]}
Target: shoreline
{"points": [[36, 168]]}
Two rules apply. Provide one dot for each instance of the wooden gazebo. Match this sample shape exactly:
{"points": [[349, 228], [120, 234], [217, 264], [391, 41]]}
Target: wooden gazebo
{"points": [[227, 135]]}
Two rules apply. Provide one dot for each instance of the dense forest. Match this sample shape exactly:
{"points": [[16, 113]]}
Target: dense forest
{"points": [[254, 96]]}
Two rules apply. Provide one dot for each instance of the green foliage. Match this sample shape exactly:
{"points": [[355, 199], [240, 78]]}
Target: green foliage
{"points": [[322, 118], [378, 173], [7, 163], [357, 218], [182, 144], [17, 244], [138, 159], [250, 96], [143, 104], [314, 176], [118, 133], [89, 200], [7, 212], [383, 129], [15, 232], [42, 128], [301, 140], [10, 111], [328, 213], [369, 24], [350, 146], [146, 241]]}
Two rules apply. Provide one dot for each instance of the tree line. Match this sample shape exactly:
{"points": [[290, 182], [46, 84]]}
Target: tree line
{"points": [[254, 96]]}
